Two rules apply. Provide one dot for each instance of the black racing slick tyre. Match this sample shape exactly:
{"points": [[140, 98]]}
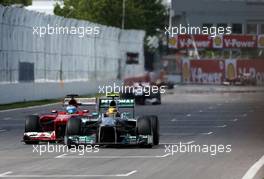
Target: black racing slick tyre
{"points": [[32, 124], [73, 126], [144, 126], [155, 129]]}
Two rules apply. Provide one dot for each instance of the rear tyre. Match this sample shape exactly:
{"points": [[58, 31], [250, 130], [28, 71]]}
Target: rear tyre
{"points": [[155, 129], [32, 124]]}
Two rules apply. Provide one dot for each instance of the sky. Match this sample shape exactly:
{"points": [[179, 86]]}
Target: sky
{"points": [[46, 6]]}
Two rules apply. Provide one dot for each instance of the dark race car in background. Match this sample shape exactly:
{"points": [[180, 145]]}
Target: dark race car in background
{"points": [[51, 127], [143, 93], [120, 128]]}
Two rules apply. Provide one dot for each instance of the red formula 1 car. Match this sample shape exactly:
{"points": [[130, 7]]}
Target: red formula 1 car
{"points": [[51, 127]]}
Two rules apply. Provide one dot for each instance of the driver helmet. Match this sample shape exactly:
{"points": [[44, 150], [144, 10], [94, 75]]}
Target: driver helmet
{"points": [[112, 108], [111, 111], [71, 109]]}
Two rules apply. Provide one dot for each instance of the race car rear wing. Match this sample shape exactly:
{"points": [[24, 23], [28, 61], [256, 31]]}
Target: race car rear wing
{"points": [[81, 101], [121, 103]]}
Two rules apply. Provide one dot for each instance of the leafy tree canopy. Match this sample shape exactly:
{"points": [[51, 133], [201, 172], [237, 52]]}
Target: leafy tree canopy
{"points": [[148, 15], [10, 2]]}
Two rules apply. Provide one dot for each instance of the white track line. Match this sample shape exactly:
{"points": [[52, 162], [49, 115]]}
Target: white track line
{"points": [[60, 156], [127, 174], [208, 133], [186, 134], [193, 126], [6, 118], [178, 134], [113, 157], [244, 115], [173, 120], [201, 120], [222, 126], [175, 143], [7, 175], [253, 170], [235, 119]]}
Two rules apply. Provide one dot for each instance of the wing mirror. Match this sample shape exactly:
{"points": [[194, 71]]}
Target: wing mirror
{"points": [[85, 111]]}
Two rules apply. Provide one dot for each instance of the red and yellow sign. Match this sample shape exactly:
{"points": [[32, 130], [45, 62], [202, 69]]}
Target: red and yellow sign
{"points": [[225, 41], [260, 41]]}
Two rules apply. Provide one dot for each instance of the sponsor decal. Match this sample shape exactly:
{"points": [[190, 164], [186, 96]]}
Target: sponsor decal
{"points": [[219, 41], [186, 71], [261, 41], [207, 71], [254, 67], [173, 42], [230, 72], [216, 71], [240, 41], [203, 71], [201, 41]]}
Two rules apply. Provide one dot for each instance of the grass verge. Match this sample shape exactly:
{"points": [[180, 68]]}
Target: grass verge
{"points": [[27, 104], [24, 104]]}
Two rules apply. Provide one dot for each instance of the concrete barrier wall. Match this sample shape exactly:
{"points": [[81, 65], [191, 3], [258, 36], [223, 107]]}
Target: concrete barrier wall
{"points": [[35, 91], [34, 67]]}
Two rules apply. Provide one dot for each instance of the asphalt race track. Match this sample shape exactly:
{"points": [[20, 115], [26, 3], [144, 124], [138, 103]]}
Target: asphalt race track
{"points": [[234, 119]]}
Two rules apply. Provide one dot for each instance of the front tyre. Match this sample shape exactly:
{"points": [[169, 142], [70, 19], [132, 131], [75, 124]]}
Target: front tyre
{"points": [[155, 129], [73, 127], [144, 128], [32, 124]]}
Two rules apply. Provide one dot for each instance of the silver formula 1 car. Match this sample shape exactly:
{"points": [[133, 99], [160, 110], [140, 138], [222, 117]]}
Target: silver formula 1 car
{"points": [[112, 126]]}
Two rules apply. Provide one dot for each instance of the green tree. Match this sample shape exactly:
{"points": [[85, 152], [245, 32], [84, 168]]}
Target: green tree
{"points": [[139, 14], [10, 2]]}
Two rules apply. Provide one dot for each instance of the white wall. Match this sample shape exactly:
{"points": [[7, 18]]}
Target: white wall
{"points": [[80, 63]]}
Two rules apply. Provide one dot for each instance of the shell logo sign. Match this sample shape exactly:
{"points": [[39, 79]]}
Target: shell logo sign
{"points": [[231, 71], [218, 42], [230, 66], [261, 41], [173, 42], [186, 71]]}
